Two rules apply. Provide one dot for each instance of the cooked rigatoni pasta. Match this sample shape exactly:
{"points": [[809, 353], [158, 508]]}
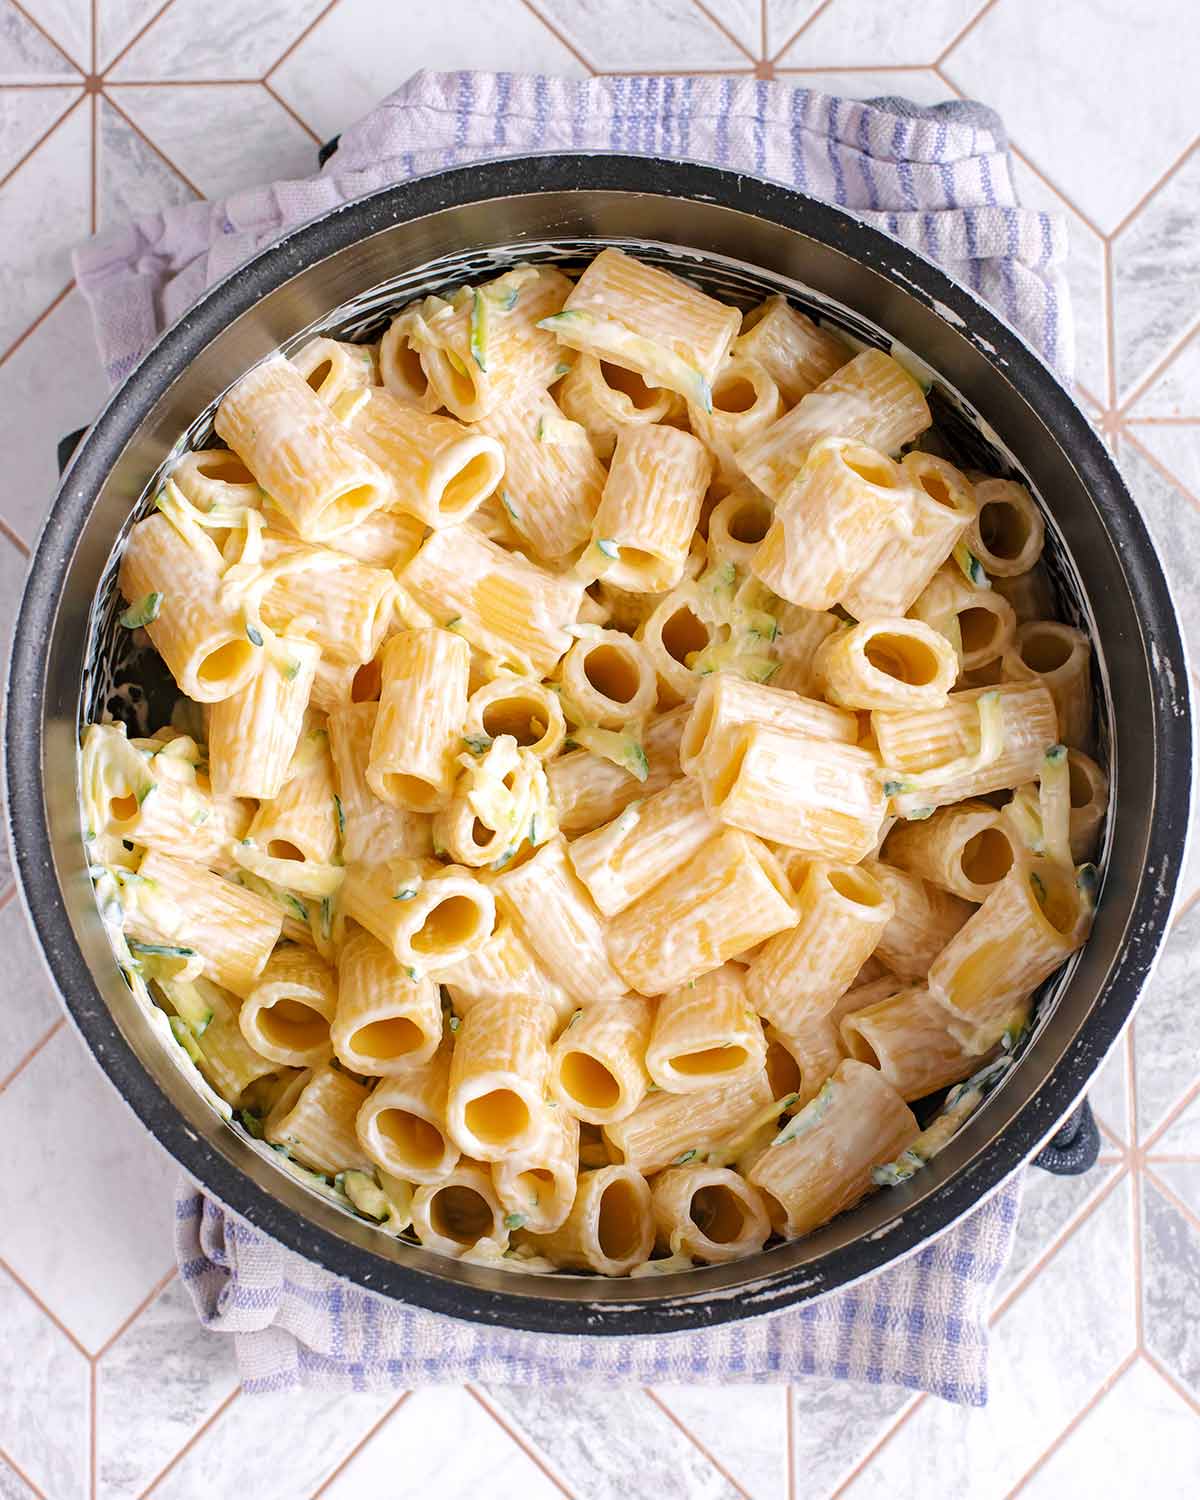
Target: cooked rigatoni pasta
{"points": [[621, 769], [301, 455]]}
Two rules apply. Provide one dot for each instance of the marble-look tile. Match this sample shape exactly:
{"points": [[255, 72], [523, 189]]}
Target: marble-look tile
{"points": [[784, 20], [743, 18], [69, 22], [12, 580], [221, 39], [445, 1444], [51, 385], [30, 1005], [70, 1139], [1085, 278], [133, 177], [1176, 392], [221, 138], [118, 22], [47, 1438], [597, 1439], [1165, 1027], [1109, 1093], [1060, 1325], [348, 60], [1183, 1178], [1176, 445], [1105, 147], [26, 56], [1174, 522], [26, 115], [1102, 1456], [1048, 1205], [744, 1427], [1171, 1287], [849, 33], [45, 208], [835, 1423], [155, 1386], [278, 1447], [670, 34], [1182, 1136], [922, 87], [12, 1486], [1156, 273]]}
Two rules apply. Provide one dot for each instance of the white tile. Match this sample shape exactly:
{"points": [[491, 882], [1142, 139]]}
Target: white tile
{"points": [[849, 33], [223, 137], [835, 1423], [275, 1447], [44, 210], [133, 178], [1103, 109], [1176, 445], [922, 87], [1051, 1351], [348, 61], [1048, 1205], [744, 18], [47, 1438], [1183, 1178], [1174, 523], [1165, 1027], [784, 20], [1109, 1094], [219, 39], [74, 1148], [1156, 276], [26, 56], [160, 1381], [69, 23], [669, 34], [53, 384], [30, 1005], [119, 22], [445, 1444], [26, 115], [12, 1486], [1104, 1455], [597, 1439], [1176, 392], [1171, 1287], [13, 566], [1182, 1138], [1085, 277], [744, 1427]]}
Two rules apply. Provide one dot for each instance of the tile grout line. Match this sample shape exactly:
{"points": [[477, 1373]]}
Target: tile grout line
{"points": [[37, 25], [725, 31], [94, 164], [1157, 371], [695, 1441], [1173, 1197], [159, 1286], [1136, 1204], [800, 30], [1088, 1406], [1154, 189], [1162, 421], [1055, 189], [18, 542], [45, 136], [94, 36], [872, 1453], [963, 34], [561, 37], [38, 1303], [304, 35], [7, 1458], [37, 322], [192, 1441], [762, 32], [526, 1447], [135, 39], [32, 1053], [284, 105], [1168, 1375], [832, 68], [245, 81], [360, 1445], [158, 151], [1155, 462]]}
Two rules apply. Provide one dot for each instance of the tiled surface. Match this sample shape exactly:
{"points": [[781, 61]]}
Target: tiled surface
{"points": [[108, 1387]]}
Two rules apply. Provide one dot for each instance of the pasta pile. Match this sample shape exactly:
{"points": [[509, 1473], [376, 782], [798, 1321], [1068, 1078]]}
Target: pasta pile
{"points": [[621, 767]]}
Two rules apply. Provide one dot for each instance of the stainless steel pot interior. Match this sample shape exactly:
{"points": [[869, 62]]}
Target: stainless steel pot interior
{"points": [[739, 239]]}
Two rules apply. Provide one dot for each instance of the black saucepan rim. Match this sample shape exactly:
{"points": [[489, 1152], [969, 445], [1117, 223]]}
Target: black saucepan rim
{"points": [[304, 247]]}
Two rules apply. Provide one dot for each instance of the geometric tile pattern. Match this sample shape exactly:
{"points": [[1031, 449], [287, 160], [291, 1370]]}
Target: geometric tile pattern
{"points": [[108, 1387]]}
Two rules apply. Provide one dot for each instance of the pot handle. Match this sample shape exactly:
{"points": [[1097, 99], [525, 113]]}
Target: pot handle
{"points": [[1075, 1148]]}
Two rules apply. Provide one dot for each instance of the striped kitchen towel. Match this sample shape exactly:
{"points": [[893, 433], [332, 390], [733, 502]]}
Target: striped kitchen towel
{"points": [[940, 180]]}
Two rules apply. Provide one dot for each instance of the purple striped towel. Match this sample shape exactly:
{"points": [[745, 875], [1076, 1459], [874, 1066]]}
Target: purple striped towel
{"points": [[938, 179]]}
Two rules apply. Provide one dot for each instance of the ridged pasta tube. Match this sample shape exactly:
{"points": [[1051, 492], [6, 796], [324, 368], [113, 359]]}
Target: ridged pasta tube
{"points": [[604, 399], [374, 831], [503, 966], [453, 1215], [725, 703], [300, 823], [332, 367], [1009, 533], [675, 630], [430, 915], [1059, 656], [228, 1061], [709, 1213], [801, 632], [737, 524], [288, 1013], [538, 1186], [314, 1118], [386, 1023], [402, 1124], [216, 479], [342, 604], [1031, 593], [598, 1064], [608, 680], [520, 706], [729, 896], [674, 1129], [610, 1228], [791, 347], [965, 849], [924, 919], [496, 1103], [907, 1038], [304, 458], [871, 400], [744, 401], [253, 734], [886, 663], [706, 1034], [418, 729], [978, 622], [588, 790], [815, 1048], [400, 367]]}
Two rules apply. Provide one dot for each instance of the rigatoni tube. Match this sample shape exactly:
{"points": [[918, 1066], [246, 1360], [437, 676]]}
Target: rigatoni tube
{"points": [[907, 1038], [1059, 656], [598, 1064], [495, 1103], [965, 849], [705, 1034], [537, 1186], [604, 398], [729, 896], [886, 663], [674, 1129], [608, 680], [857, 1122], [314, 1118], [1008, 534], [610, 1228], [419, 725], [726, 702], [288, 1013], [253, 733], [430, 915], [453, 1215], [588, 790], [402, 1124], [374, 831], [709, 1213], [924, 919], [386, 1022]]}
